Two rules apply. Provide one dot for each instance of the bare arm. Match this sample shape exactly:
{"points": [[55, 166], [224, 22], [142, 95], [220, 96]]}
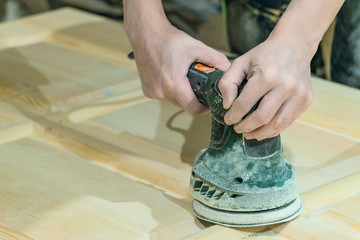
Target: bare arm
{"points": [[278, 70], [164, 54]]}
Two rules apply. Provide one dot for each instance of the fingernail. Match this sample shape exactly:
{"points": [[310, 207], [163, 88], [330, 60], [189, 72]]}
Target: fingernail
{"points": [[248, 136]]}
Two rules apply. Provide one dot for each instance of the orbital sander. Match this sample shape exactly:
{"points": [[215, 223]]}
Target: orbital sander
{"points": [[235, 181]]}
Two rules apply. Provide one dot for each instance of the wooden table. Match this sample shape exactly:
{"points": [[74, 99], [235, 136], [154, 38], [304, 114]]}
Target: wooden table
{"points": [[85, 156]]}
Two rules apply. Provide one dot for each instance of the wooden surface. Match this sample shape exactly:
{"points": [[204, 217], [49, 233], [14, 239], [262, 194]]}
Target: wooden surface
{"points": [[85, 156]]}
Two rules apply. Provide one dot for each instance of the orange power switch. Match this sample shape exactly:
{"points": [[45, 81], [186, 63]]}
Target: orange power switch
{"points": [[204, 68]]}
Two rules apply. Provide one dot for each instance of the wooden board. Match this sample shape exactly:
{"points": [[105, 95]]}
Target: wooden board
{"points": [[78, 199], [85, 156], [13, 124]]}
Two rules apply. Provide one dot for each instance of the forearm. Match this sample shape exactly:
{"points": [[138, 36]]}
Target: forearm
{"points": [[306, 21], [142, 16]]}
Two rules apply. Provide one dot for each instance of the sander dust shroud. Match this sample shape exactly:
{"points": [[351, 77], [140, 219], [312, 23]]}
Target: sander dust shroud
{"points": [[238, 182]]}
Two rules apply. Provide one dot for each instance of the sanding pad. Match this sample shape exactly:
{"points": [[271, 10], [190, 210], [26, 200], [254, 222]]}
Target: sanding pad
{"points": [[249, 219]]}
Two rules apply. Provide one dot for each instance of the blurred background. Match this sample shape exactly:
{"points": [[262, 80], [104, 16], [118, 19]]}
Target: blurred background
{"points": [[201, 19]]}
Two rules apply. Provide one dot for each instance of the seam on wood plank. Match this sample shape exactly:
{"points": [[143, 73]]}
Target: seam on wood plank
{"points": [[11, 234], [101, 107], [308, 230], [16, 132], [313, 125], [79, 143], [103, 53], [339, 222], [331, 194], [327, 175]]}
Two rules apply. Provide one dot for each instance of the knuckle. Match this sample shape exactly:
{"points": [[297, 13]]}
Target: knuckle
{"points": [[246, 129], [230, 119], [279, 123], [306, 96], [301, 92], [263, 118], [224, 58], [288, 84], [309, 98], [222, 84], [270, 76]]}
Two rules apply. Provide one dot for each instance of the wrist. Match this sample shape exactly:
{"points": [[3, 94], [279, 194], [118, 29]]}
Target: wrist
{"points": [[301, 44]]}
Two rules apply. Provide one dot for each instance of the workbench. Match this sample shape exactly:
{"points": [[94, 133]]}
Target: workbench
{"points": [[84, 155]]}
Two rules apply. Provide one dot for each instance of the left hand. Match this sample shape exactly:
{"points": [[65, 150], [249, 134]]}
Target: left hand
{"points": [[277, 70]]}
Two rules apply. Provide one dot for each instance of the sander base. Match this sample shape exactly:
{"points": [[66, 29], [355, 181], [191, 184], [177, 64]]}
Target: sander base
{"points": [[249, 219]]}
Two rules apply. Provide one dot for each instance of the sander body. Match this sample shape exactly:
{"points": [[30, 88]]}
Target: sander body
{"points": [[235, 181]]}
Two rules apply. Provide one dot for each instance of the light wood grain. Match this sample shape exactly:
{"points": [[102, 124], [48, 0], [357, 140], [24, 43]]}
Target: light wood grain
{"points": [[34, 29], [13, 124], [84, 155], [304, 229], [338, 222], [336, 107], [73, 190], [46, 77]]}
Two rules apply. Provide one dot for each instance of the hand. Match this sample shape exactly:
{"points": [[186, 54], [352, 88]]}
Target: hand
{"points": [[277, 71], [163, 56]]}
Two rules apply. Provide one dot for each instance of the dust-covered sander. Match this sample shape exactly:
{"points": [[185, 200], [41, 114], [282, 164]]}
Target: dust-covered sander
{"points": [[235, 181]]}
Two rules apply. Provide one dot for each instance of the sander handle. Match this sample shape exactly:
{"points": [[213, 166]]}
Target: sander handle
{"points": [[203, 77], [204, 82]]}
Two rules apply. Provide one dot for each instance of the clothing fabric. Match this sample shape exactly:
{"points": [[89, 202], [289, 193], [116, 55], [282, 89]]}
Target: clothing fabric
{"points": [[345, 58]]}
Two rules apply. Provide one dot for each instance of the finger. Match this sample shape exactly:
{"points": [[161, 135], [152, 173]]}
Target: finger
{"points": [[252, 92], [268, 107], [282, 119], [186, 98], [184, 93], [211, 57], [228, 84]]}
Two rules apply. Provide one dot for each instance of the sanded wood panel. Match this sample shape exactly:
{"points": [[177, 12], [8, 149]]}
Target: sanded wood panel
{"points": [[46, 76], [75, 198], [13, 124], [84, 155]]}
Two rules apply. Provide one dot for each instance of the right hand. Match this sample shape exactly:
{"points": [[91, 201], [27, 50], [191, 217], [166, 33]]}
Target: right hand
{"points": [[163, 56]]}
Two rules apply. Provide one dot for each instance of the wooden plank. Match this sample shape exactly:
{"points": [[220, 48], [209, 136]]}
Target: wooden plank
{"points": [[322, 198], [33, 78], [343, 218], [338, 222], [109, 42], [9, 234], [13, 124], [40, 27], [158, 174], [220, 232], [350, 208], [304, 229], [49, 193], [173, 137], [155, 130], [129, 177], [336, 107], [311, 148]]}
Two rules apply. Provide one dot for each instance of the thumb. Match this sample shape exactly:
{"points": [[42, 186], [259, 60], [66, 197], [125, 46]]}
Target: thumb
{"points": [[213, 58], [233, 77]]}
